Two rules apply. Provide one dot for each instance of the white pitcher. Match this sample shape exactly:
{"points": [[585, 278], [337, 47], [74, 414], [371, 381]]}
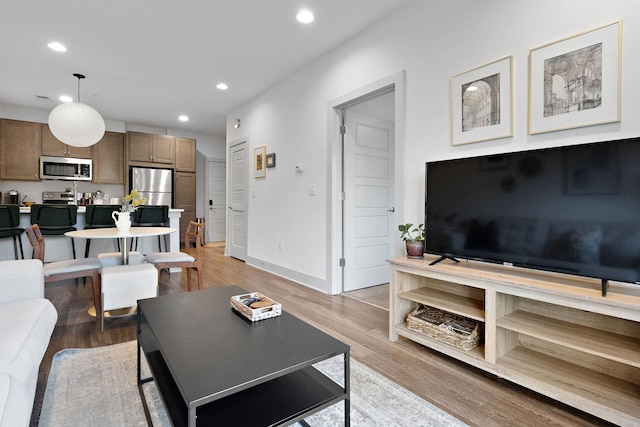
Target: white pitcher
{"points": [[123, 220]]}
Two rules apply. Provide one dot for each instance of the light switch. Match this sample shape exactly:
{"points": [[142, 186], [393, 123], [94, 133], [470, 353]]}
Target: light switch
{"points": [[312, 190]]}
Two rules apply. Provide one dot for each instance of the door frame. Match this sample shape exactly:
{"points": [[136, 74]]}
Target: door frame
{"points": [[335, 248], [352, 248], [230, 145]]}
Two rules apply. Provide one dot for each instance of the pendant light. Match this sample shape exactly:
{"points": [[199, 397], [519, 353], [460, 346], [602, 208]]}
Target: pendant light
{"points": [[76, 124]]}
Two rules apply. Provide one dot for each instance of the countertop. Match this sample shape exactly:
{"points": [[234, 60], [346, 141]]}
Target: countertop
{"points": [[82, 209]]}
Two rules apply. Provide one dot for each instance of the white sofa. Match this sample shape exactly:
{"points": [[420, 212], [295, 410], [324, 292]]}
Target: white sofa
{"points": [[27, 320]]}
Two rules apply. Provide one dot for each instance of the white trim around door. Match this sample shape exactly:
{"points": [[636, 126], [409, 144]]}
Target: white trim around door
{"points": [[396, 81]]}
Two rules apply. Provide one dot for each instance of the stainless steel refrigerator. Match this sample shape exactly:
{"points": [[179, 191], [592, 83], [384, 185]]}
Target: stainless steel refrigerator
{"points": [[156, 185]]}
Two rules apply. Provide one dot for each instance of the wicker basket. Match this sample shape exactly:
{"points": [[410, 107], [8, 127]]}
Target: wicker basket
{"points": [[255, 314], [446, 327]]}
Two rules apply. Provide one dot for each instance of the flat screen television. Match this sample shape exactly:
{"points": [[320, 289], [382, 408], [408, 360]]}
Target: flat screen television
{"points": [[572, 209]]}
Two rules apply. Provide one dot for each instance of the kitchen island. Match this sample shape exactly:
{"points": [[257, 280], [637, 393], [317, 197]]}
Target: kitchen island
{"points": [[58, 247]]}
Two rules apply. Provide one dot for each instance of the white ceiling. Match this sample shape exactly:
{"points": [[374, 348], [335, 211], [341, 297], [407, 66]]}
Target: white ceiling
{"points": [[148, 61]]}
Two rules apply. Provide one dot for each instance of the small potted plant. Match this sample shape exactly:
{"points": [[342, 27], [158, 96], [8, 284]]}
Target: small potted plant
{"points": [[130, 203], [413, 236]]}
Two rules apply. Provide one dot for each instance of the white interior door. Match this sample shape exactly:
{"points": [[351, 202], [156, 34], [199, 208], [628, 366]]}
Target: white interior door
{"points": [[368, 206], [216, 225], [237, 199]]}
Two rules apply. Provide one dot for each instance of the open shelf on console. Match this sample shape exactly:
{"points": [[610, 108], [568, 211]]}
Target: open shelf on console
{"points": [[604, 395], [476, 353], [464, 306], [605, 344]]}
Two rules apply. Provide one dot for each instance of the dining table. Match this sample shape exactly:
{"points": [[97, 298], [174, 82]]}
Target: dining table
{"points": [[124, 236]]}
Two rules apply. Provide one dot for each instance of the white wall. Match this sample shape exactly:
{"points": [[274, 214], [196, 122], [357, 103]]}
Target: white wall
{"points": [[431, 41]]}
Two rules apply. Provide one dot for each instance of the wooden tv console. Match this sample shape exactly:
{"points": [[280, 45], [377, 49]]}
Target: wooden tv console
{"points": [[552, 333]]}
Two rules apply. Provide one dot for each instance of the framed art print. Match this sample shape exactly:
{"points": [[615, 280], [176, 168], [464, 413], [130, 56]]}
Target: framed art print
{"points": [[575, 82], [271, 160], [481, 103], [260, 162]]}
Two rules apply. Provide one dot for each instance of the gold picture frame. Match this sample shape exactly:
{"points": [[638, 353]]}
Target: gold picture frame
{"points": [[482, 103], [576, 81], [260, 161]]}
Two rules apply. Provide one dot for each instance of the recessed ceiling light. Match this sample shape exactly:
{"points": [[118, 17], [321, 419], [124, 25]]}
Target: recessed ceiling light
{"points": [[183, 118], [222, 86], [305, 16], [65, 98], [58, 47]]}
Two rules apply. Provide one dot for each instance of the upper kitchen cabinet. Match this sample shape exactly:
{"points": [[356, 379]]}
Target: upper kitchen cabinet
{"points": [[108, 159], [185, 155], [52, 146], [148, 148], [20, 150]]}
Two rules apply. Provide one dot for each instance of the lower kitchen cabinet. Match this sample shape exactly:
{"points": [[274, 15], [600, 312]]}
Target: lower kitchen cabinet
{"points": [[185, 198]]}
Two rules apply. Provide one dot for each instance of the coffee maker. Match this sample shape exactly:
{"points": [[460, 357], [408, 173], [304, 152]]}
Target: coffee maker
{"points": [[12, 198]]}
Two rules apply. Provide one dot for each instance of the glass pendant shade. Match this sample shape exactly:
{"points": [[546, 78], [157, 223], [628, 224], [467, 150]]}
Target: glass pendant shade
{"points": [[76, 124]]}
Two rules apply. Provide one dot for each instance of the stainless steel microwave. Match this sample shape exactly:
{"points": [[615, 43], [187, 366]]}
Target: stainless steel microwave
{"points": [[66, 168]]}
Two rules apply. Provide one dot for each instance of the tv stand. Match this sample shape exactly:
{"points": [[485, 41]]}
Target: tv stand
{"points": [[550, 332], [443, 257]]}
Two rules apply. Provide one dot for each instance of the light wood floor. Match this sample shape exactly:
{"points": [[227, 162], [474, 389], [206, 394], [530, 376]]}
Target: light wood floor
{"points": [[472, 396], [376, 295]]}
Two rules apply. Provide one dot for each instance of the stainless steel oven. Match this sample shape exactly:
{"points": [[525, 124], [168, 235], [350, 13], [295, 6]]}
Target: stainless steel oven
{"points": [[58, 198]]}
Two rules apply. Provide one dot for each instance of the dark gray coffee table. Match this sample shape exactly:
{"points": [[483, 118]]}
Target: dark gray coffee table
{"points": [[214, 367]]}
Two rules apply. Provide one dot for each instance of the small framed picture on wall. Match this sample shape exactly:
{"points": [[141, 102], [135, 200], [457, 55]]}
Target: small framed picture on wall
{"points": [[260, 161], [481, 103], [271, 160]]}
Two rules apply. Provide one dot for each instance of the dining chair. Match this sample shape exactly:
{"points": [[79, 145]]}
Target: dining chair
{"points": [[55, 220], [151, 216], [9, 222], [190, 261], [67, 269], [99, 216]]}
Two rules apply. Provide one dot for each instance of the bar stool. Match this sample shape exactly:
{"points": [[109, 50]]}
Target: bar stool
{"points": [[55, 220], [99, 216], [9, 221], [151, 216]]}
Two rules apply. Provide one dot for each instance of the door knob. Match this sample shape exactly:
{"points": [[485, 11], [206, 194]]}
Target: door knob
{"points": [[391, 209]]}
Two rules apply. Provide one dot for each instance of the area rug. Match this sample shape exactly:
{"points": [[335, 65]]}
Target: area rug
{"points": [[97, 387]]}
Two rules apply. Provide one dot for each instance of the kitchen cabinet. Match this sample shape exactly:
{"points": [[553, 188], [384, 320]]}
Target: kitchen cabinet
{"points": [[108, 159], [52, 146], [185, 198], [20, 144], [148, 148], [185, 154]]}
